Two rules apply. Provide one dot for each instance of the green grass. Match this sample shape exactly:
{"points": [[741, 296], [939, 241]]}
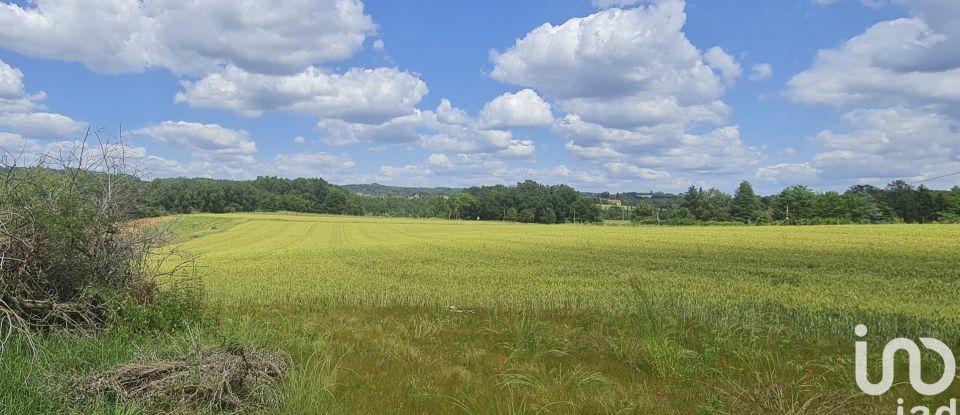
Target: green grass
{"points": [[563, 318]]}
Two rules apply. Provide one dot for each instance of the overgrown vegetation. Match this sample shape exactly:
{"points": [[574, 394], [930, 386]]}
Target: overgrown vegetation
{"points": [[78, 271], [69, 256]]}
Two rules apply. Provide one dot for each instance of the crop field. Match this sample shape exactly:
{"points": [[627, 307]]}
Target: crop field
{"points": [[428, 316]]}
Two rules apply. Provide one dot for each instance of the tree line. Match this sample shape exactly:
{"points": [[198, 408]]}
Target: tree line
{"points": [[533, 202], [897, 202], [526, 202], [264, 194]]}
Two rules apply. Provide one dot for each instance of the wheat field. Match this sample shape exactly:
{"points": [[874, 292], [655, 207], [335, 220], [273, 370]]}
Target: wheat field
{"points": [[466, 317], [383, 262]]}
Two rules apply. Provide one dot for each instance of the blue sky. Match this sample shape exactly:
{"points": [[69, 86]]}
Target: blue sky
{"points": [[616, 95]]}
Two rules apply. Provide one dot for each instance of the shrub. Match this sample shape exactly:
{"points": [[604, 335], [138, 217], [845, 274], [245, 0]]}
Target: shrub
{"points": [[67, 236]]}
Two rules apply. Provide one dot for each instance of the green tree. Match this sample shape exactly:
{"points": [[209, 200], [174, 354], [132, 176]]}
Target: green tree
{"points": [[586, 211], [512, 214], [614, 213], [830, 205], [335, 202], [642, 212], [929, 205], [527, 216], [696, 203], [718, 205], [548, 216], [797, 199], [857, 208], [464, 205], [900, 196], [746, 205]]}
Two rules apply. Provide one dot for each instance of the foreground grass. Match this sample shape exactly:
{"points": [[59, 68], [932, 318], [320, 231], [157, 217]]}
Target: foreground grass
{"points": [[549, 319], [388, 360]]}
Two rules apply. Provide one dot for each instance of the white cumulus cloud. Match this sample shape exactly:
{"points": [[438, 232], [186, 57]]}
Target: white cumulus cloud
{"points": [[521, 109], [197, 37], [721, 61], [898, 87], [22, 114], [359, 95], [632, 87], [205, 141]]}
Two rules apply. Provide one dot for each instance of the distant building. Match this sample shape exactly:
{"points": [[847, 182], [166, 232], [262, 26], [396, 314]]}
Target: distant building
{"points": [[614, 202]]}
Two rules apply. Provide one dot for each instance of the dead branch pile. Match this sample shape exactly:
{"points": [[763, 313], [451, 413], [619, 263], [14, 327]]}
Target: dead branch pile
{"points": [[231, 379], [86, 312]]}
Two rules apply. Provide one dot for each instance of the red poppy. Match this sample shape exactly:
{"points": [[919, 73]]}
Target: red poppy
{"points": [[503, 359], [659, 394]]}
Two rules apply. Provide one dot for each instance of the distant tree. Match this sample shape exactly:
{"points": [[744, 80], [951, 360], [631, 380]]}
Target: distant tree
{"points": [[679, 216], [642, 212], [953, 201], [335, 201], [563, 198], [746, 205], [830, 205], [872, 198], [464, 205], [527, 216], [797, 199], [718, 205], [548, 216], [614, 213], [900, 196], [929, 205], [512, 214], [586, 211], [695, 203], [857, 209]]}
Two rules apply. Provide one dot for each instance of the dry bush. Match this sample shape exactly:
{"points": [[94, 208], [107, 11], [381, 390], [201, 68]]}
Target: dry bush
{"points": [[63, 239]]}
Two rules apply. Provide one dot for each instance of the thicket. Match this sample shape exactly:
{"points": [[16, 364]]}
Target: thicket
{"points": [[71, 255]]}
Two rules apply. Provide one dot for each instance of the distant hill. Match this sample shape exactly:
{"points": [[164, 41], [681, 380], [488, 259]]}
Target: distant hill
{"points": [[377, 189]]}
